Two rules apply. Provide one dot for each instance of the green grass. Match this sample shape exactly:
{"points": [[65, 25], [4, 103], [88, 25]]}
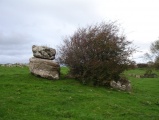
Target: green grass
{"points": [[26, 97]]}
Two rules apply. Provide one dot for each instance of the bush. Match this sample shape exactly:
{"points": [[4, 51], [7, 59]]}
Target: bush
{"points": [[142, 65], [96, 54], [149, 74]]}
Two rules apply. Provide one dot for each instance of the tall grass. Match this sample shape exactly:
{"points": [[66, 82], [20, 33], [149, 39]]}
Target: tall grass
{"points": [[26, 97]]}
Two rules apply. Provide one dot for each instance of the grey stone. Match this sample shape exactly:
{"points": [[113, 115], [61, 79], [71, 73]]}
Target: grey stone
{"points": [[138, 76], [123, 87], [44, 68], [43, 52], [128, 87], [120, 85]]}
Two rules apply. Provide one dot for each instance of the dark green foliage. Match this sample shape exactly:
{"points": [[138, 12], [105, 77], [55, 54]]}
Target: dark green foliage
{"points": [[96, 54], [149, 74]]}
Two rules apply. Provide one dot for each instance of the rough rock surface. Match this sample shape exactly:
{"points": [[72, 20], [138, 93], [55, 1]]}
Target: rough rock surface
{"points": [[126, 86], [44, 68], [43, 52]]}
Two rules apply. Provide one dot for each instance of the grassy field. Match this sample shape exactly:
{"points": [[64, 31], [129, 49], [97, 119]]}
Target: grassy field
{"points": [[26, 97]]}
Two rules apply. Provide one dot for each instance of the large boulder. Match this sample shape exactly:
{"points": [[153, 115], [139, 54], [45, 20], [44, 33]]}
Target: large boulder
{"points": [[44, 68], [43, 52]]}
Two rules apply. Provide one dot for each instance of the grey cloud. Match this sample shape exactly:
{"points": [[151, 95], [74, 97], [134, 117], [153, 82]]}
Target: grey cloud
{"points": [[14, 59], [14, 46], [14, 39], [42, 22], [63, 10]]}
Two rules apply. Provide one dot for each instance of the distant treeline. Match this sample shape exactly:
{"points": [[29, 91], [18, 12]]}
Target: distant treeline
{"points": [[14, 65], [142, 65]]}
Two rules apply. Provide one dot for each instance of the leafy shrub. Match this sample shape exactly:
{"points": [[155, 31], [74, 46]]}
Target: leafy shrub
{"points": [[96, 54]]}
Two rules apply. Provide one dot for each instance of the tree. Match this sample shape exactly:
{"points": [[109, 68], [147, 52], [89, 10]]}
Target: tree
{"points": [[96, 54], [154, 48], [156, 63]]}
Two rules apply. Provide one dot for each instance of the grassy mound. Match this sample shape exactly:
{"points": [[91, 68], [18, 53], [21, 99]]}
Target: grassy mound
{"points": [[26, 97]]}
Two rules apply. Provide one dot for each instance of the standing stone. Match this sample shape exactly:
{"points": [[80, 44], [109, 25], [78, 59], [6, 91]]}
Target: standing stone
{"points": [[44, 68], [43, 52], [42, 65]]}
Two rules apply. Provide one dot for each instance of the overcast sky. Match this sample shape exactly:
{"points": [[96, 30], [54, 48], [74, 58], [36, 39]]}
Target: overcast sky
{"points": [[24, 23]]}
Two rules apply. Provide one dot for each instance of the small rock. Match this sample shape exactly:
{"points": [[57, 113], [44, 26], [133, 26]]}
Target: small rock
{"points": [[138, 76]]}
